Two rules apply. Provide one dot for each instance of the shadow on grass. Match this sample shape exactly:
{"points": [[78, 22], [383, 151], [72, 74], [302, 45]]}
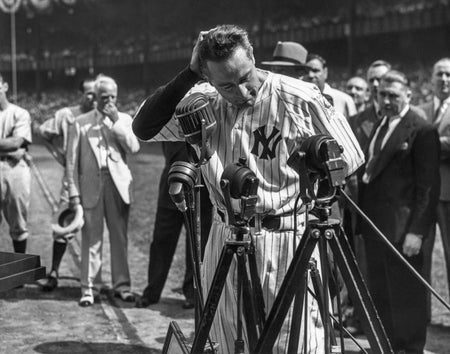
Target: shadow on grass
{"points": [[74, 347], [34, 292], [171, 307]]}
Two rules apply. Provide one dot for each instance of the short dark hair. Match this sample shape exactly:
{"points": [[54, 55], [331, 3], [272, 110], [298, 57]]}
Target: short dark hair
{"points": [[312, 56], [395, 76], [221, 42], [83, 81], [380, 62]]}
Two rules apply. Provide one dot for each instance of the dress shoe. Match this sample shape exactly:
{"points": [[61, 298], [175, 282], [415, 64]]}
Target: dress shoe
{"points": [[87, 299], [144, 302], [50, 283], [125, 295]]}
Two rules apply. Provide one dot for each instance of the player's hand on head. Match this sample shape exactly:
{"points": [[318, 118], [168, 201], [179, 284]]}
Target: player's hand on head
{"points": [[194, 65]]}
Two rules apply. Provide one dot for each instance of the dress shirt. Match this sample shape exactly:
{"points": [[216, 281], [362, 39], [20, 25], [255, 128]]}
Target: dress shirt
{"points": [[104, 124]]}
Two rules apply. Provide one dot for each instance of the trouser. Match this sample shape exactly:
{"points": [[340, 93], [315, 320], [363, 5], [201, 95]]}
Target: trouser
{"points": [[111, 208], [443, 220], [15, 185], [166, 233], [400, 299]]}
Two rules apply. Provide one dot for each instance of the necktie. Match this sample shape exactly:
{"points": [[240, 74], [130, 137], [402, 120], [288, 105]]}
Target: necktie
{"points": [[440, 112], [376, 149]]}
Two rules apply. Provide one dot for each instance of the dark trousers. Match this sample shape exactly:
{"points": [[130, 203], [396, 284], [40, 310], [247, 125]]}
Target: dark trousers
{"points": [[167, 230], [443, 220], [398, 296]]}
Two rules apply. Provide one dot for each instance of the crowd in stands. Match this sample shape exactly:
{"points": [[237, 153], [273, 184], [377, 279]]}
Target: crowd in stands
{"points": [[127, 40]]}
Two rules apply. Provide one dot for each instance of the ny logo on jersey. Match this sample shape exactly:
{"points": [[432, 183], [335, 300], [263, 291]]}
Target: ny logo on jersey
{"points": [[261, 138]]}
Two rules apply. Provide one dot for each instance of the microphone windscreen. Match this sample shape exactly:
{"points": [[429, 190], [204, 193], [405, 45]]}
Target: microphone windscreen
{"points": [[190, 112]]}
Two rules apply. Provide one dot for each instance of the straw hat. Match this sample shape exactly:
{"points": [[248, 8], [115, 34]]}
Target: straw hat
{"points": [[288, 54]]}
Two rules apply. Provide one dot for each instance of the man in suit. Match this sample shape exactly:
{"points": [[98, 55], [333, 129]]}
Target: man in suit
{"points": [[362, 124], [168, 223], [99, 178], [402, 164], [317, 73], [438, 114], [289, 58], [358, 89], [54, 133]]}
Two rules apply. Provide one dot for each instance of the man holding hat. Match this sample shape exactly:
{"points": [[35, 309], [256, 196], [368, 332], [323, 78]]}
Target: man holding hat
{"points": [[289, 59], [54, 133]]}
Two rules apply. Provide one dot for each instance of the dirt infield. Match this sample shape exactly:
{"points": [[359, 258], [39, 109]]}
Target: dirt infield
{"points": [[32, 321]]}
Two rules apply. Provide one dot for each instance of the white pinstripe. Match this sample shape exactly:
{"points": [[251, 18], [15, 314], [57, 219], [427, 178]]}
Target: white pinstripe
{"points": [[297, 110]]}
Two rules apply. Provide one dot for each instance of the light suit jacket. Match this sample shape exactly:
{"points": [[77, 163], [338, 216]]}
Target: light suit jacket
{"points": [[444, 137], [83, 157]]}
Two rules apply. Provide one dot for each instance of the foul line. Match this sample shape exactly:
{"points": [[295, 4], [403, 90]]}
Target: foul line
{"points": [[123, 329]]}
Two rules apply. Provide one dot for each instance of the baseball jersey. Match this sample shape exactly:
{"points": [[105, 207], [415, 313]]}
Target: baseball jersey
{"points": [[342, 102], [15, 122], [286, 111], [55, 131]]}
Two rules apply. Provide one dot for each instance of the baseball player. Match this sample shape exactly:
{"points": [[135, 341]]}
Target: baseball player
{"points": [[54, 131], [263, 117], [15, 177]]}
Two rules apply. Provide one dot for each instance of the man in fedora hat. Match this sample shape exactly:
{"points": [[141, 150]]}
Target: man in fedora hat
{"points": [[289, 58]]}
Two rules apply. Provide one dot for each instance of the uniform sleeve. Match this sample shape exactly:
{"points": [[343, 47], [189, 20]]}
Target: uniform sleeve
{"points": [[157, 110], [72, 154], [327, 121], [22, 125]]}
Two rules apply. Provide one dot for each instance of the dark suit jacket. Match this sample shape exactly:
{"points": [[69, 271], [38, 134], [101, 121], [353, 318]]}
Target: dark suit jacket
{"points": [[397, 199], [444, 134], [362, 125]]}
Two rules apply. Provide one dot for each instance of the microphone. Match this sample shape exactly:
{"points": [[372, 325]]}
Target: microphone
{"points": [[182, 175], [197, 122]]}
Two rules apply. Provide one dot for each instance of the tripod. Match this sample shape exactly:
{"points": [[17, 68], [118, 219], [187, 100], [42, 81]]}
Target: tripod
{"points": [[326, 233], [250, 300]]}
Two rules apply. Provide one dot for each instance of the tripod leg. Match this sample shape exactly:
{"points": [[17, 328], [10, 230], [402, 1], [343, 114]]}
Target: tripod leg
{"points": [[318, 290], [288, 289], [257, 289], [246, 294], [300, 298], [212, 300], [357, 289]]}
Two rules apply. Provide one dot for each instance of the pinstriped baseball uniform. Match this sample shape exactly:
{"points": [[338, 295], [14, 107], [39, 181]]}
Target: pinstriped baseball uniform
{"points": [[286, 111], [15, 177]]}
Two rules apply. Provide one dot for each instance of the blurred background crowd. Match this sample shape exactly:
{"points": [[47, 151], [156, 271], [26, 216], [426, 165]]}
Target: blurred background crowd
{"points": [[142, 43]]}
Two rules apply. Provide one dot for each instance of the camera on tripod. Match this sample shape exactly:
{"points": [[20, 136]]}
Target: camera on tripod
{"points": [[320, 155], [239, 182]]}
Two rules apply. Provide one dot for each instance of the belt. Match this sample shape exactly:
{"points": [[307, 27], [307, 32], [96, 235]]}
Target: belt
{"points": [[271, 222]]}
